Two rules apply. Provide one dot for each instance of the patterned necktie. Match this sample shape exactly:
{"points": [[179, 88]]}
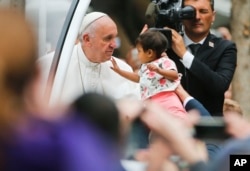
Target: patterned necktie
{"points": [[194, 48]]}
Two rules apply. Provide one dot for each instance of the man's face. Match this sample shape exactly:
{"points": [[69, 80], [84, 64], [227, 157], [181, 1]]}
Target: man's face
{"points": [[200, 26], [103, 43]]}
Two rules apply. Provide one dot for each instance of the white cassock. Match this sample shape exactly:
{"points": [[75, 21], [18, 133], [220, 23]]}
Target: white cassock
{"points": [[84, 76]]}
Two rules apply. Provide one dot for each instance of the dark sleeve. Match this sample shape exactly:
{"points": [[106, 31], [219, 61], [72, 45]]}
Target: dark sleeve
{"points": [[195, 104], [199, 166]]}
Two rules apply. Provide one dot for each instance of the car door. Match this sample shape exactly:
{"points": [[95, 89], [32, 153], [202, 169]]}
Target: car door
{"points": [[65, 46], [57, 23]]}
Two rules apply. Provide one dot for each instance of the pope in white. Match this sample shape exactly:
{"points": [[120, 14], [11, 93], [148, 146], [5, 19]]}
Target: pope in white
{"points": [[89, 68]]}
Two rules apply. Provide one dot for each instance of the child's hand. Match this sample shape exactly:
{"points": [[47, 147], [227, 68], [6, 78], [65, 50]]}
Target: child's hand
{"points": [[115, 66], [164, 54], [153, 67]]}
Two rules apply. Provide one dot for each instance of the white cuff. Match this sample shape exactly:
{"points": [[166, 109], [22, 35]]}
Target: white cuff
{"points": [[187, 59], [187, 100]]}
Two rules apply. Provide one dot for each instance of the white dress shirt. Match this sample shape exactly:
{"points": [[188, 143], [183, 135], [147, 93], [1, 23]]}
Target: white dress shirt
{"points": [[188, 57]]}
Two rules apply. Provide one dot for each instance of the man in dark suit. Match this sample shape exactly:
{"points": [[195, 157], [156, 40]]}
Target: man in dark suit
{"points": [[208, 72]]}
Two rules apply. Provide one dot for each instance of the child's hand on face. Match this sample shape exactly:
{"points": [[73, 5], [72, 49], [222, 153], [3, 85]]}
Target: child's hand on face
{"points": [[152, 67]]}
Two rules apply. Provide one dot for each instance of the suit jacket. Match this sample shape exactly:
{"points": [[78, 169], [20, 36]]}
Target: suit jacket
{"points": [[211, 72], [195, 104]]}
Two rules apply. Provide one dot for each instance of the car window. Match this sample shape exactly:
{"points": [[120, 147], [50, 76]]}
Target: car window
{"points": [[48, 17]]}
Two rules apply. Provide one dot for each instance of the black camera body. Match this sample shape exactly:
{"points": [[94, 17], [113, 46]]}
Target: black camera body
{"points": [[208, 129], [169, 13]]}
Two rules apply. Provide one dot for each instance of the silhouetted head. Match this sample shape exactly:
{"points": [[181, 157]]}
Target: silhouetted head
{"points": [[101, 111]]}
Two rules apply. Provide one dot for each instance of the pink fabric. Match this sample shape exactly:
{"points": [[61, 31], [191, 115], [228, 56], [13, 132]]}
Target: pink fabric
{"points": [[152, 83], [171, 102]]}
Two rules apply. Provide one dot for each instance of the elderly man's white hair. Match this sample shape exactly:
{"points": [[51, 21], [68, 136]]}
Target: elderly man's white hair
{"points": [[88, 19]]}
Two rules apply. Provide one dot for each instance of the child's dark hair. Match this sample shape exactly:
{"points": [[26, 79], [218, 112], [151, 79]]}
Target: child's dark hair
{"points": [[154, 40]]}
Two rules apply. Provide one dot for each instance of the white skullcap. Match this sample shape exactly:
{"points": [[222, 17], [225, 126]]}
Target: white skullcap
{"points": [[90, 18]]}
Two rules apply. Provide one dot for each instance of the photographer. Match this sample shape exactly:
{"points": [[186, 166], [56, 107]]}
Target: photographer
{"points": [[208, 71]]}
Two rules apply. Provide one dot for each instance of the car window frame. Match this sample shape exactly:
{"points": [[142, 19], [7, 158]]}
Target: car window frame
{"points": [[64, 48]]}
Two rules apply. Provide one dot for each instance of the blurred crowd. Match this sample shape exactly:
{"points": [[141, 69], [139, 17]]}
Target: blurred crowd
{"points": [[93, 131]]}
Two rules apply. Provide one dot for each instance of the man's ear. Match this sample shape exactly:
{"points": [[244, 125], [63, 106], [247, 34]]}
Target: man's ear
{"points": [[85, 38]]}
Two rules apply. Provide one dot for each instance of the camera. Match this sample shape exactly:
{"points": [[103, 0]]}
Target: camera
{"points": [[169, 13], [211, 129]]}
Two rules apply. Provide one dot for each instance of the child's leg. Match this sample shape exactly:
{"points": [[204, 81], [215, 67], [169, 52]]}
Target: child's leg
{"points": [[171, 102]]}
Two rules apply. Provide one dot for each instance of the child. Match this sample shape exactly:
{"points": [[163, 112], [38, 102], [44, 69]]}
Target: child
{"points": [[158, 75]]}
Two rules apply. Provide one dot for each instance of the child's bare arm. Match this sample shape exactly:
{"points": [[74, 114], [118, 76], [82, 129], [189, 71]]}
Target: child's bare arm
{"points": [[126, 74], [169, 74]]}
